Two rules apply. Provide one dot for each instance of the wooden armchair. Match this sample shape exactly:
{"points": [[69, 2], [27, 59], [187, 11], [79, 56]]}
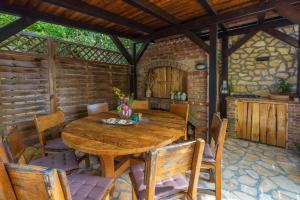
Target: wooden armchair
{"points": [[24, 182], [212, 156], [94, 109], [163, 175], [181, 110], [12, 149], [140, 105], [47, 122]]}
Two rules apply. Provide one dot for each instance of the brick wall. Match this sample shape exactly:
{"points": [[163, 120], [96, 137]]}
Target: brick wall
{"points": [[181, 53], [293, 125]]}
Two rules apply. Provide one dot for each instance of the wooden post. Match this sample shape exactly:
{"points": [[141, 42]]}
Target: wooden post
{"points": [[133, 76], [298, 63], [52, 74], [212, 72], [224, 73]]}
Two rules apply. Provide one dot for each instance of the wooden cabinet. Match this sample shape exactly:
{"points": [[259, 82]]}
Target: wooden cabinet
{"points": [[264, 122]]}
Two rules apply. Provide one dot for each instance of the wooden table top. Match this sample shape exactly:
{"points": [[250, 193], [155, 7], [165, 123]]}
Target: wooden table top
{"points": [[156, 129]]}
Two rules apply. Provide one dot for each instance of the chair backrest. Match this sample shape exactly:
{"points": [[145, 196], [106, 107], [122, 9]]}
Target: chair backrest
{"points": [[97, 108], [25, 182], [217, 135], [45, 122], [140, 105], [165, 162], [181, 110], [12, 145]]}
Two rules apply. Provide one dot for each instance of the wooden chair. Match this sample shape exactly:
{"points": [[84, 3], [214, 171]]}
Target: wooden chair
{"points": [[46, 122], [94, 109], [212, 156], [140, 105], [163, 175], [24, 182], [12, 149], [181, 110]]}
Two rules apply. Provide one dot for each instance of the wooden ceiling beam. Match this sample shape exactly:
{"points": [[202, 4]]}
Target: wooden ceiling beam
{"points": [[282, 36], [288, 11], [15, 27], [152, 9], [142, 51], [200, 23], [94, 11], [209, 8], [241, 41], [197, 40], [122, 49], [50, 18]]}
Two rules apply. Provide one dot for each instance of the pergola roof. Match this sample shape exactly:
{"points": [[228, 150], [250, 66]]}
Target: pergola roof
{"points": [[142, 19]]}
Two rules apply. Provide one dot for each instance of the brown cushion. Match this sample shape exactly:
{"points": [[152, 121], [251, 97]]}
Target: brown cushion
{"points": [[86, 187], [65, 161], [163, 189]]}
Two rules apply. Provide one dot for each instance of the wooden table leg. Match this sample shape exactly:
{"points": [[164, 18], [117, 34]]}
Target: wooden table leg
{"points": [[107, 166]]}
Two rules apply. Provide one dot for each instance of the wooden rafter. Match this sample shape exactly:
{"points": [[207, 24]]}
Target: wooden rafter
{"points": [[197, 40], [18, 10], [282, 36], [198, 24], [122, 49], [152, 9], [209, 8], [241, 41], [15, 27], [142, 51], [100, 13], [288, 11]]}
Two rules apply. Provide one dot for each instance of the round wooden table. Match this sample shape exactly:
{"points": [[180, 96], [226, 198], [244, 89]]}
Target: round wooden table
{"points": [[89, 135]]}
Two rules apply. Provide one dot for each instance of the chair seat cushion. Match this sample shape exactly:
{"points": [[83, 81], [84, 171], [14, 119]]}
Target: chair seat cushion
{"points": [[65, 161], [163, 189], [208, 156], [86, 187], [56, 144]]}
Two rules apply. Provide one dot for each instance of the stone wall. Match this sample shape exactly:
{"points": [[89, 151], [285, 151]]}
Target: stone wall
{"points": [[181, 53], [246, 75]]}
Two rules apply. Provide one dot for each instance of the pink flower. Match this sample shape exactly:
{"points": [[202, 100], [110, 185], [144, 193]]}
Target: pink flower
{"points": [[126, 99], [125, 108]]}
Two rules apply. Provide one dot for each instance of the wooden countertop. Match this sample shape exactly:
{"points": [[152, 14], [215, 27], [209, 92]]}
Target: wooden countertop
{"points": [[262, 100]]}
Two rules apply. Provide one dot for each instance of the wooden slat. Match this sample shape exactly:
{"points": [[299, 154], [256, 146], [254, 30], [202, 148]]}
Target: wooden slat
{"points": [[245, 118], [271, 126], [249, 121], [240, 114], [263, 118], [281, 112], [255, 123]]}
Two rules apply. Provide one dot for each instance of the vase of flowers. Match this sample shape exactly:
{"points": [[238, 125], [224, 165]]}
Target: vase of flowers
{"points": [[124, 107]]}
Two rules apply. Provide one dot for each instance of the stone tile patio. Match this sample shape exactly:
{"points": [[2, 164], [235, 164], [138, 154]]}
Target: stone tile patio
{"points": [[250, 171]]}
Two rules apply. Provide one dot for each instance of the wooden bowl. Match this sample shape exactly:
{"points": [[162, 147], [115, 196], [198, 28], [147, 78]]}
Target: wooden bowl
{"points": [[281, 97]]}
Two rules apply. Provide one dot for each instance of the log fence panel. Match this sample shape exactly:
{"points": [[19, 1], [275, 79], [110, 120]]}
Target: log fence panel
{"points": [[38, 75]]}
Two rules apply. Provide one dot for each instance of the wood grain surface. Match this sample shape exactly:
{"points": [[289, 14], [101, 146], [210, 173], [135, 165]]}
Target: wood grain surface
{"points": [[156, 129]]}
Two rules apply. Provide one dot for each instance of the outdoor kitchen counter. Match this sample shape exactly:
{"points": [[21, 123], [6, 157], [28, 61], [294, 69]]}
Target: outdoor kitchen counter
{"points": [[257, 119], [261, 100]]}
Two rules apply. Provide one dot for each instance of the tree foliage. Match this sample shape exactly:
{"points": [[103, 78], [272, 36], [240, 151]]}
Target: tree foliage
{"points": [[69, 34]]}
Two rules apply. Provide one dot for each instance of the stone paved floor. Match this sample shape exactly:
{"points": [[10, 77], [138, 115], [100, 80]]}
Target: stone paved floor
{"points": [[250, 171]]}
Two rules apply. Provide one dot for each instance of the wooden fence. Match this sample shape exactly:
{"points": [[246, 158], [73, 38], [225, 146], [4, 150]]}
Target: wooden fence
{"points": [[38, 75]]}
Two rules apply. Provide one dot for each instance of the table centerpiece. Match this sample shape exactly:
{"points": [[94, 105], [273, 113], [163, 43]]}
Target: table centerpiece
{"points": [[125, 102]]}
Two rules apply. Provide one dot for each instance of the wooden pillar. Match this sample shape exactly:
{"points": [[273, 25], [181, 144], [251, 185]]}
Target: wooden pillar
{"points": [[212, 85], [298, 63], [133, 77], [224, 73], [52, 74]]}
